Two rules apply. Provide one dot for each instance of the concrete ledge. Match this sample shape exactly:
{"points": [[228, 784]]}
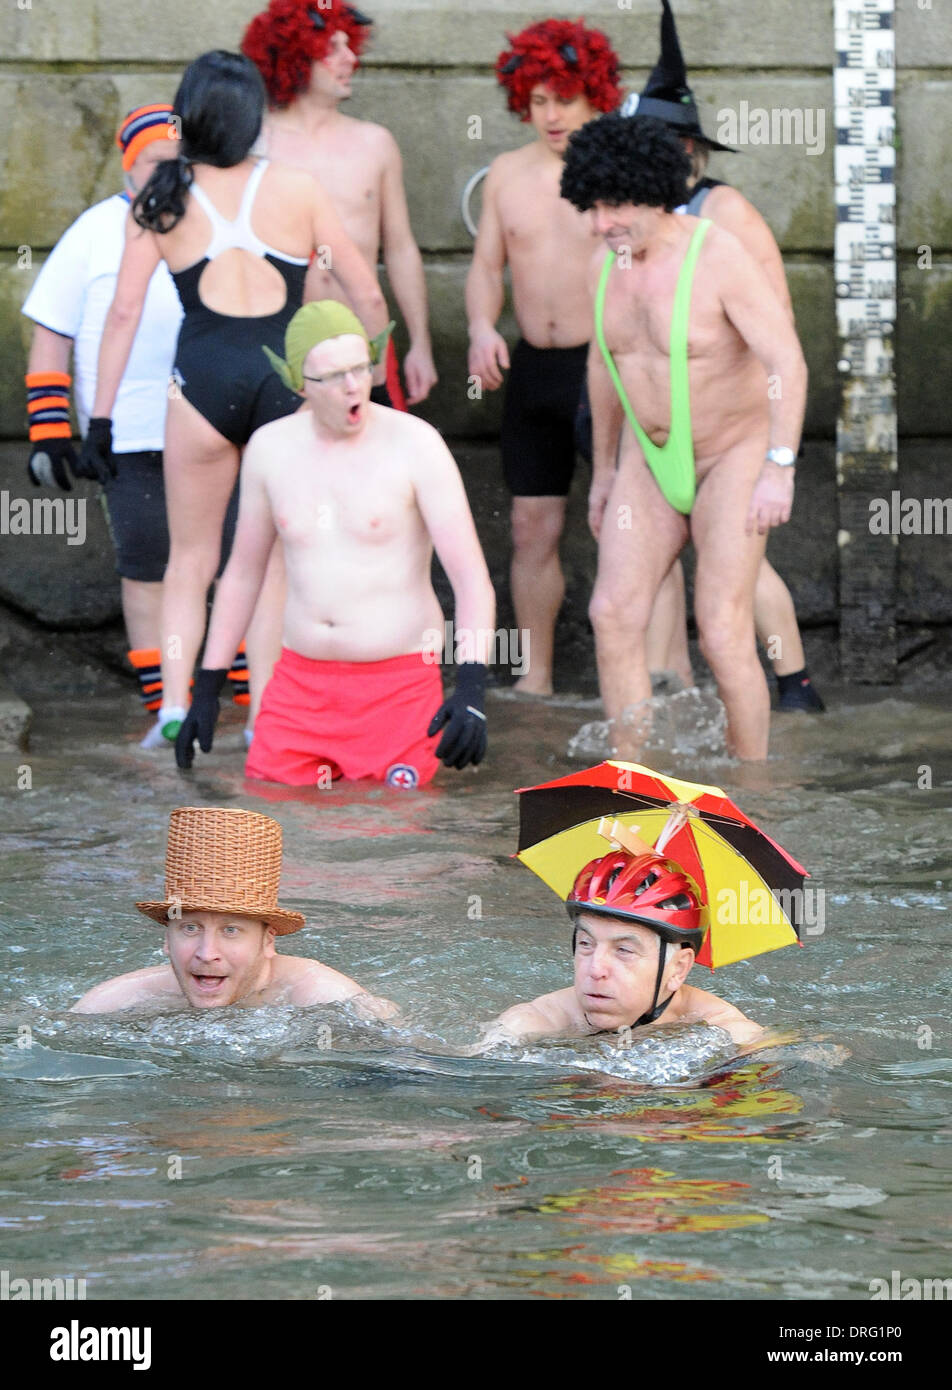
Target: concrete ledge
{"points": [[437, 32], [442, 33], [59, 157], [925, 561], [924, 113], [924, 348]]}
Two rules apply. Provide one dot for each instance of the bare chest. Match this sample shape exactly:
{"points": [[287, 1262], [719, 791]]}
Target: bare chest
{"points": [[540, 225], [354, 187], [350, 173], [643, 317], [371, 512]]}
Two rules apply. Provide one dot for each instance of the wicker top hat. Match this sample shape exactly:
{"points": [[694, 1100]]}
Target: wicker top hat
{"points": [[223, 861]]}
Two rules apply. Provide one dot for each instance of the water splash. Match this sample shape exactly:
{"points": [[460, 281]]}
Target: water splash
{"points": [[662, 1057], [689, 721], [249, 1036]]}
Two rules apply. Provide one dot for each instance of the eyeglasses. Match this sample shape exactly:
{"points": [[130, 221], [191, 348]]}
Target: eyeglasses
{"points": [[361, 370]]}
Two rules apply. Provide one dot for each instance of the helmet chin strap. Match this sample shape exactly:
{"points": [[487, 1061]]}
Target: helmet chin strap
{"points": [[656, 1009]]}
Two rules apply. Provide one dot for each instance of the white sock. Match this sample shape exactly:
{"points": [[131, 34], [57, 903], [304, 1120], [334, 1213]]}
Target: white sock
{"points": [[168, 713]]}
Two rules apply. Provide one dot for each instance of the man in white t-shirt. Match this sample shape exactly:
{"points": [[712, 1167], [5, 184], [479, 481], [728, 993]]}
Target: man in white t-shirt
{"points": [[68, 304]]}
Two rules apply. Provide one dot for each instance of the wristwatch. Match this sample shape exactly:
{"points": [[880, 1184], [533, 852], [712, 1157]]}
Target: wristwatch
{"points": [[783, 458]]}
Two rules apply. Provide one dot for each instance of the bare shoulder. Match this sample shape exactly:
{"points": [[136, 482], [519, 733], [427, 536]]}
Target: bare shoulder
{"points": [[726, 260], [725, 201], [732, 212], [709, 1008], [546, 1016], [373, 137], [304, 981], [511, 165], [287, 181], [269, 441], [719, 241], [425, 445], [126, 991]]}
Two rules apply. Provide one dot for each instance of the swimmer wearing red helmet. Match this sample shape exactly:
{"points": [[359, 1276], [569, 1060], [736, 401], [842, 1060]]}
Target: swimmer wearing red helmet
{"points": [[639, 923]]}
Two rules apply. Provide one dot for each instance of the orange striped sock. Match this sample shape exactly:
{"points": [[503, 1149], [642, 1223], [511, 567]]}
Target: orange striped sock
{"points": [[148, 668], [238, 676]]}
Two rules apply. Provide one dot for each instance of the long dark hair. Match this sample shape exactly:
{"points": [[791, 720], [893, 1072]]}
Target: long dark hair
{"points": [[220, 103]]}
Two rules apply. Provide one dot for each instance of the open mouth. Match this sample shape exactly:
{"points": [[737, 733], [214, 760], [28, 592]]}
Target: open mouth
{"points": [[353, 413], [209, 984]]}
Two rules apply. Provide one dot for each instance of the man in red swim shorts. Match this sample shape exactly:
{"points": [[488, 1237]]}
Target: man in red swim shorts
{"points": [[360, 496]]}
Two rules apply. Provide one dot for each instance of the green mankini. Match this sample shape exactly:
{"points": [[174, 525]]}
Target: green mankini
{"points": [[673, 462]]}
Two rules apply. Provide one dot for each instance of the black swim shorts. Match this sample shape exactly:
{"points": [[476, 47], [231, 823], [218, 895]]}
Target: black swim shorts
{"points": [[539, 418], [135, 512]]}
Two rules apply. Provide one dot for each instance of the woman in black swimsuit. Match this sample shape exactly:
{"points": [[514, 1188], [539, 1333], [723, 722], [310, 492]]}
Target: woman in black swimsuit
{"points": [[237, 235]]}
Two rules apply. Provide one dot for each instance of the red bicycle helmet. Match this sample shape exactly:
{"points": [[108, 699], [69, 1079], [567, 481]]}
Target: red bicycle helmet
{"points": [[646, 888]]}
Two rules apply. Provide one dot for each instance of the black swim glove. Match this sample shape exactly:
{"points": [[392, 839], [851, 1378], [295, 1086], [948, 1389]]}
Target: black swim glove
{"points": [[200, 721], [464, 739], [380, 395], [96, 458], [49, 461]]}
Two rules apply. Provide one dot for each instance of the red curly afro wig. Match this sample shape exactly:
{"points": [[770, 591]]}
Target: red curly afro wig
{"points": [[564, 55], [286, 38]]}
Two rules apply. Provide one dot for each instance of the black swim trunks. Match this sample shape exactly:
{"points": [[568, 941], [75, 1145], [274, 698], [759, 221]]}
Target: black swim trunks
{"points": [[134, 503], [539, 416]]}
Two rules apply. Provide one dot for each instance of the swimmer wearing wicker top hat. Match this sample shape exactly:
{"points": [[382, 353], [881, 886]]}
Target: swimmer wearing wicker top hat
{"points": [[221, 915]]}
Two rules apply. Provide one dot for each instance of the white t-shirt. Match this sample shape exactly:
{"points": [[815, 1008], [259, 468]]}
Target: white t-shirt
{"points": [[72, 295]]}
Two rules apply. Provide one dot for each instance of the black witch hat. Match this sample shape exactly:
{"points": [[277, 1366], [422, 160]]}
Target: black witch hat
{"points": [[666, 94]]}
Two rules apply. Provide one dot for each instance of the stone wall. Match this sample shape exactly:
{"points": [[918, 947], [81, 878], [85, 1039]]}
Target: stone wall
{"points": [[73, 67]]}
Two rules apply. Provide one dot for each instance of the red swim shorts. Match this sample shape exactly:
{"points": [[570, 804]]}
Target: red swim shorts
{"points": [[355, 718]]}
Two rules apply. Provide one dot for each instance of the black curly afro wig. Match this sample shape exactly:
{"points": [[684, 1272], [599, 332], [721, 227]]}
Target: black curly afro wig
{"points": [[616, 160]]}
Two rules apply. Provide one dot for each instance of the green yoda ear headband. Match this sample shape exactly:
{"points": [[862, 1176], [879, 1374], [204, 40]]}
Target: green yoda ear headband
{"points": [[312, 324]]}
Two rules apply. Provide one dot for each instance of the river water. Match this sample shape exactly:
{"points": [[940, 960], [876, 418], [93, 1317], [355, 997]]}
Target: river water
{"points": [[302, 1154]]}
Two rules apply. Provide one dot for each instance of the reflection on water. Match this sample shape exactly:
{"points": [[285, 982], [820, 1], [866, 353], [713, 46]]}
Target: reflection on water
{"points": [[649, 1199], [38, 1063], [729, 1109], [280, 1153]]}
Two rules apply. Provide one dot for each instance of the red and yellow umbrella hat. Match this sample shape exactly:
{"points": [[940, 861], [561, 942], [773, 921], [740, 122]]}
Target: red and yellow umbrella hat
{"points": [[751, 887]]}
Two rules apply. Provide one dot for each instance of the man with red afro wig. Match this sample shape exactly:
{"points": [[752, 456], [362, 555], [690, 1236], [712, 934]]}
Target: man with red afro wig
{"points": [[558, 75], [567, 57], [306, 52], [290, 35]]}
